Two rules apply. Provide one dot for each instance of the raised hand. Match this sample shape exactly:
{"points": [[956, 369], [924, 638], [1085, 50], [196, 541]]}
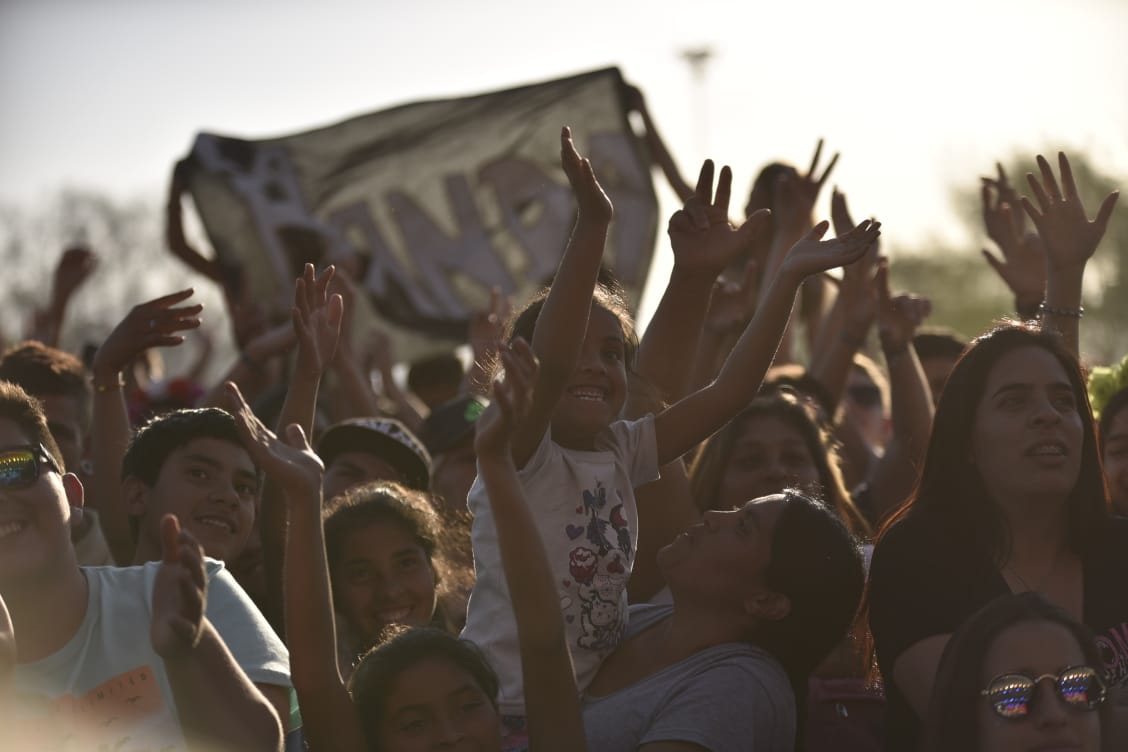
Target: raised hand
{"points": [[512, 396], [701, 235], [812, 254], [75, 266], [857, 289], [795, 194], [486, 326], [180, 592], [593, 202], [1023, 264], [317, 320], [291, 463], [1069, 237], [898, 317], [151, 324]]}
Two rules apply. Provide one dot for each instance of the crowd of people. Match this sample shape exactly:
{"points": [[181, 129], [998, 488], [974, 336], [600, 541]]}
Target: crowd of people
{"points": [[791, 535]]}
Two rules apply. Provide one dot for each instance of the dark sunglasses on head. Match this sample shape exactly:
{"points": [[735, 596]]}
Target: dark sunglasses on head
{"points": [[1012, 695], [20, 466]]}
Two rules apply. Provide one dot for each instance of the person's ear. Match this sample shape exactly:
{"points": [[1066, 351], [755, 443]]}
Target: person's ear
{"points": [[768, 606], [134, 492], [75, 493]]}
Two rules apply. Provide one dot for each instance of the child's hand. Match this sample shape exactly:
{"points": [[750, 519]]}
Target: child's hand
{"points": [[155, 323], [291, 463], [317, 320], [701, 235], [180, 592], [812, 255], [593, 202], [511, 399]]}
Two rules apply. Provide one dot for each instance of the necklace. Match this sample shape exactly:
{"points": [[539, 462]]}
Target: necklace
{"points": [[1043, 581]]}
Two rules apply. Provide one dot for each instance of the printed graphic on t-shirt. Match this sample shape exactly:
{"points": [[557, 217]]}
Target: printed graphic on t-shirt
{"points": [[1113, 647], [125, 714], [599, 564]]}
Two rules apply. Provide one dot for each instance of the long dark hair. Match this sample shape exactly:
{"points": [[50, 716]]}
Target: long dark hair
{"points": [[951, 497], [711, 463], [953, 724]]}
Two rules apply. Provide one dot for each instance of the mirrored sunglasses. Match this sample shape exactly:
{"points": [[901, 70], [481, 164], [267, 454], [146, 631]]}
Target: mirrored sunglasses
{"points": [[20, 467], [1012, 695]]}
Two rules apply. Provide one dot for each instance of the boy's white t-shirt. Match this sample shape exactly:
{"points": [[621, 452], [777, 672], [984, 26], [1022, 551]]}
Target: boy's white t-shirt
{"points": [[107, 688], [585, 511]]}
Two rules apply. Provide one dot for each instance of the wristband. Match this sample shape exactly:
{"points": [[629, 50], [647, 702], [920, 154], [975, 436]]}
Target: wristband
{"points": [[1074, 313], [118, 384]]}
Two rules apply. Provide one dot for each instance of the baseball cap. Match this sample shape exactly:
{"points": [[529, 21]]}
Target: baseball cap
{"points": [[388, 438]]}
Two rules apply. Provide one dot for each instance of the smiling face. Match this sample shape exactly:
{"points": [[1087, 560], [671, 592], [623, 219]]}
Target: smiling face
{"points": [[211, 486], [434, 705], [1116, 460], [1036, 648], [595, 395], [722, 559], [35, 521], [1026, 438], [768, 456], [382, 576]]}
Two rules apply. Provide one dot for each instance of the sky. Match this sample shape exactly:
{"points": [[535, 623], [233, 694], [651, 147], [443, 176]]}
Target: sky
{"points": [[108, 94]]}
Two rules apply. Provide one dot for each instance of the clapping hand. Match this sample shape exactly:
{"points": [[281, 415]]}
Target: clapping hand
{"points": [[317, 320], [179, 592], [593, 202]]}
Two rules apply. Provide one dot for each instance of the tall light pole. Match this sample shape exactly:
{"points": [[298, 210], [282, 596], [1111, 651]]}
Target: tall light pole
{"points": [[697, 58]]}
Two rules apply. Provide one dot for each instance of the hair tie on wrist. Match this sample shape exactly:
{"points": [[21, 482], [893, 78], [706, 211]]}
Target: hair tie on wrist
{"points": [[1075, 313]]}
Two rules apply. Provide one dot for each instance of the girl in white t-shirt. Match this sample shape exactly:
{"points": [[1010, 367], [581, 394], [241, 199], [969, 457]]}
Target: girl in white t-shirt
{"points": [[578, 461]]}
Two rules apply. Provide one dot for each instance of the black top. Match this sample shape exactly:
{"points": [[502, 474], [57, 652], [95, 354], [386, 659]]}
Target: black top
{"points": [[924, 584]]}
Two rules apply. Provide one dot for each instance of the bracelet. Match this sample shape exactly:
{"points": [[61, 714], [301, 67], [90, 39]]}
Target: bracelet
{"points": [[99, 388], [1046, 310]]}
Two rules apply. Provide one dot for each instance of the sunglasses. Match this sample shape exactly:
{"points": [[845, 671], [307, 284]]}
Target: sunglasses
{"points": [[1012, 695], [21, 467]]}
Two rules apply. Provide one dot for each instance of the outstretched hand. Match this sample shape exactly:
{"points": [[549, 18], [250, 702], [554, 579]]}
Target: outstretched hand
{"points": [[75, 266], [1063, 224], [898, 317], [317, 320], [290, 462], [512, 397], [701, 235], [857, 289], [812, 254], [593, 202], [155, 323], [180, 592], [1023, 263]]}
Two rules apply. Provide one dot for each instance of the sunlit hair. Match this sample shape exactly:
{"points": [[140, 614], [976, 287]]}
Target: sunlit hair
{"points": [[817, 563], [47, 371], [24, 410], [714, 459], [524, 322], [388, 503], [953, 717], [951, 498], [164, 434], [372, 682]]}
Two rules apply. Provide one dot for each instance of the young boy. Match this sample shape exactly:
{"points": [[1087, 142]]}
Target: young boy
{"points": [[169, 655]]}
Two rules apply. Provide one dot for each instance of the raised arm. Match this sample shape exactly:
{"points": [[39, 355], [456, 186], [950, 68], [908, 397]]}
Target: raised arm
{"points": [[1070, 240], [330, 720], [551, 696], [217, 704], [1023, 264], [699, 257], [562, 324], [895, 474], [685, 424], [155, 323], [74, 267], [661, 156]]}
